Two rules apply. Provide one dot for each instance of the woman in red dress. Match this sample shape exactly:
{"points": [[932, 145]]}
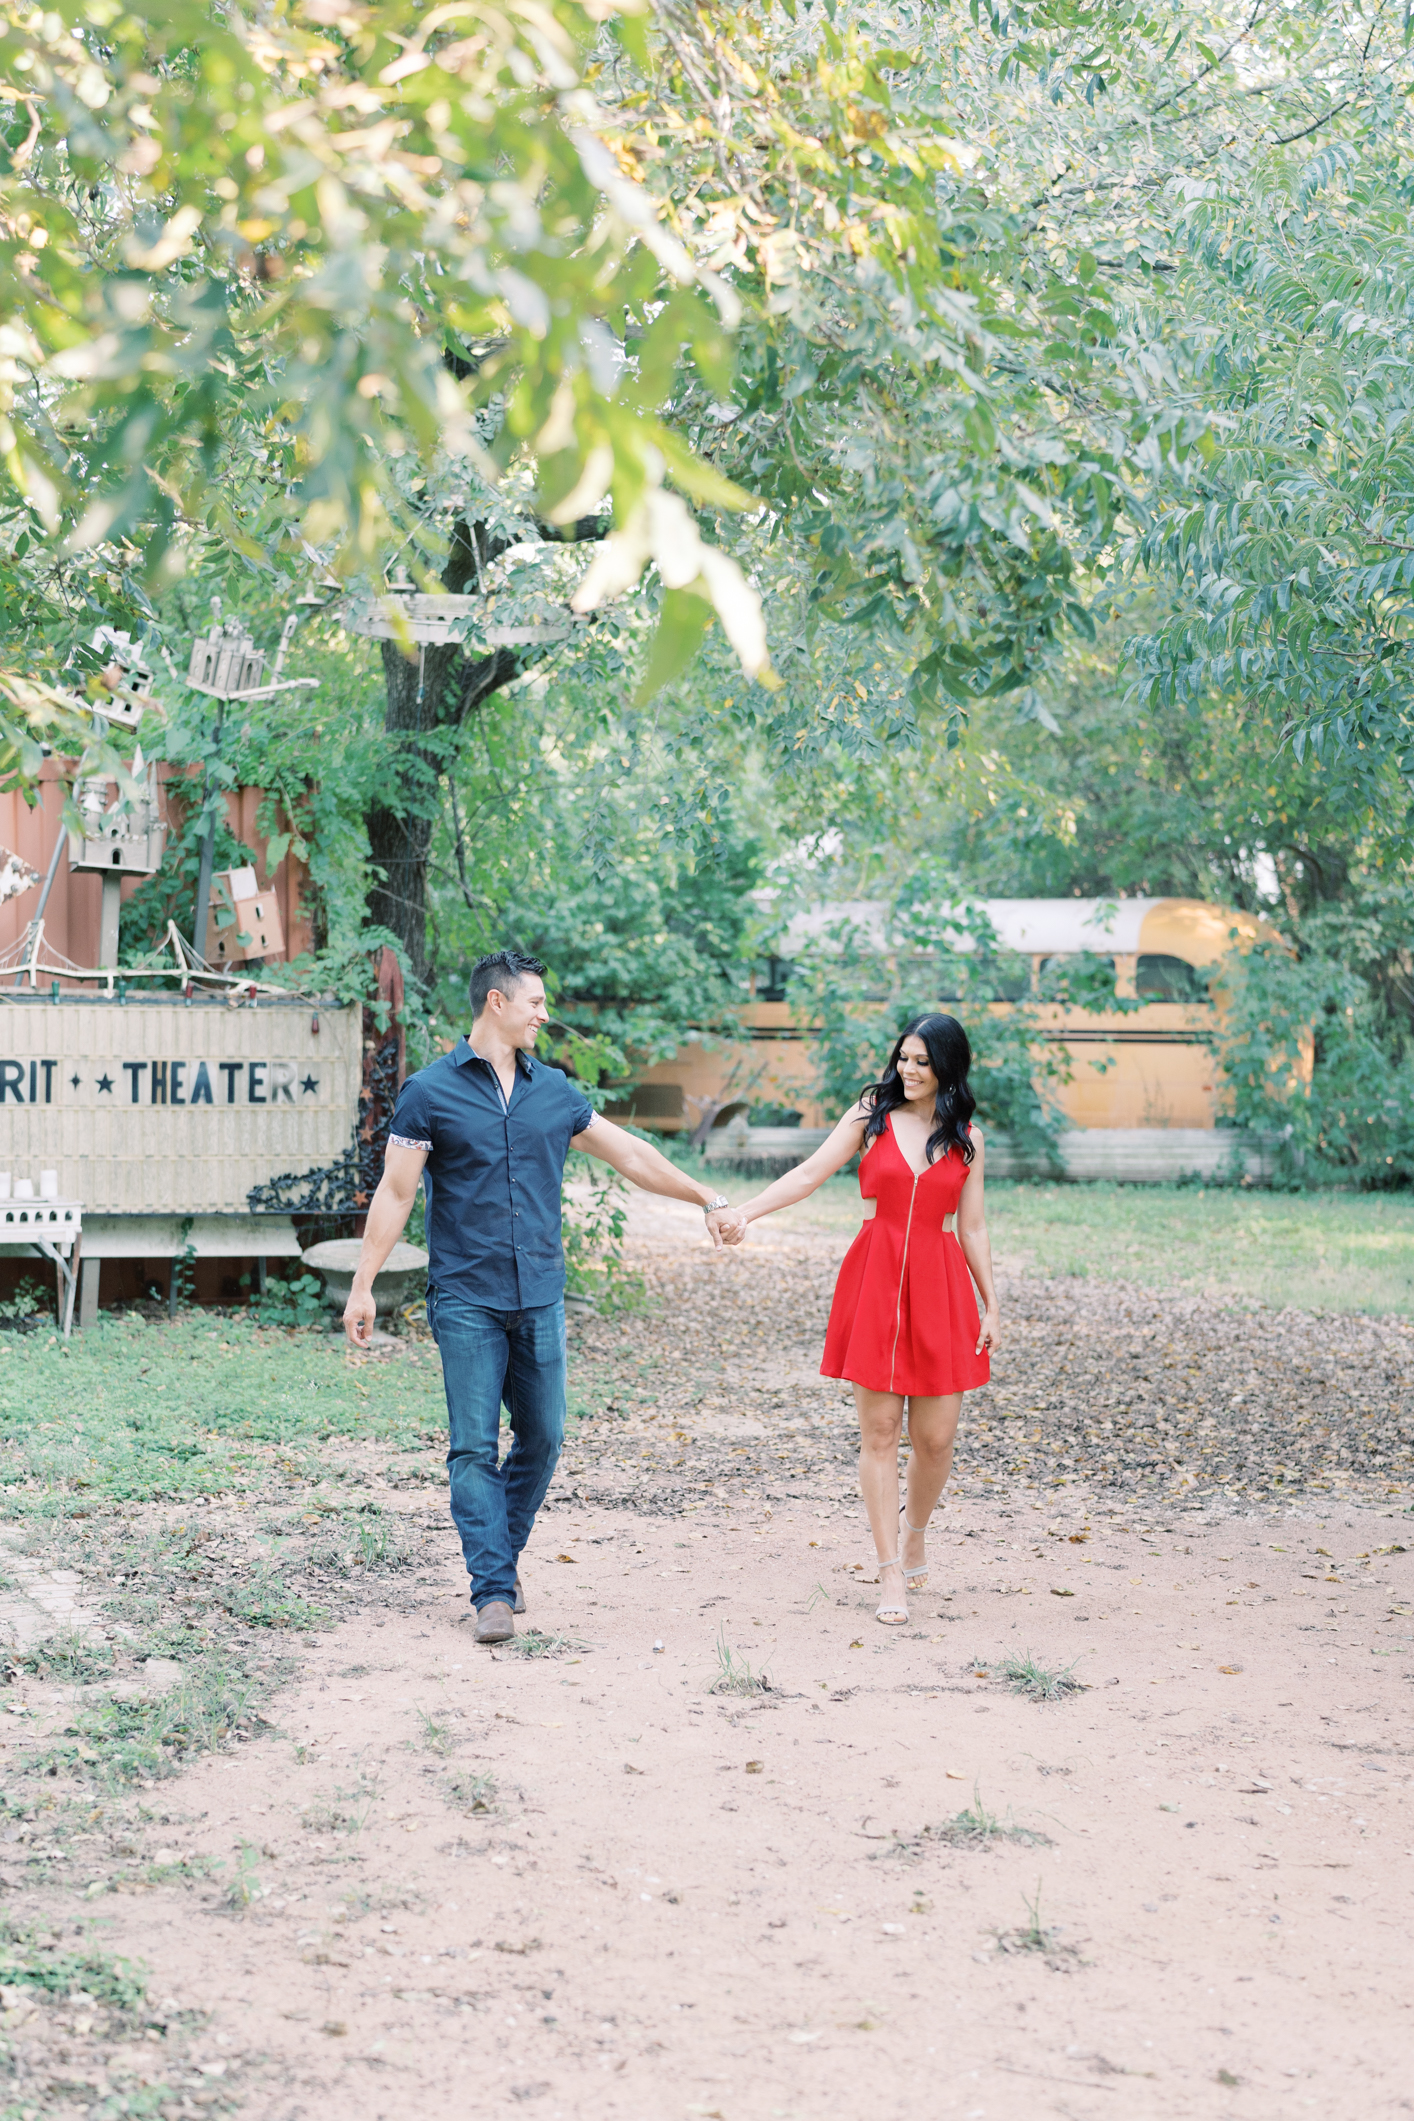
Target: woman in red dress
{"points": [[904, 1324]]}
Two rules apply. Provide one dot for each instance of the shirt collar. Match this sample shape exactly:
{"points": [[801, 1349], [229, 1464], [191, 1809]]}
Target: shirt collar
{"points": [[464, 1051]]}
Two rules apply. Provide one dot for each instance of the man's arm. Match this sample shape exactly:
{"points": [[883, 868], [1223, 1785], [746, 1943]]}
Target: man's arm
{"points": [[392, 1205], [646, 1167]]}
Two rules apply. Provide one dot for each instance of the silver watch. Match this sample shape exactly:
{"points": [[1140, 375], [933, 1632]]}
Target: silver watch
{"points": [[710, 1207]]}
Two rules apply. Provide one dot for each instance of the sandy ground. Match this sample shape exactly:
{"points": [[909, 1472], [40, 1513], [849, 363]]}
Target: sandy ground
{"points": [[589, 1885]]}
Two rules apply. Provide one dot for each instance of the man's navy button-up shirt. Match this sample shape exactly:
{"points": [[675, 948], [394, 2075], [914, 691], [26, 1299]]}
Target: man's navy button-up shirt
{"points": [[492, 1174]]}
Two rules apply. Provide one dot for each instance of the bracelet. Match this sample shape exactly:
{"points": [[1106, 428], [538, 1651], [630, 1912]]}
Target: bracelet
{"points": [[710, 1207]]}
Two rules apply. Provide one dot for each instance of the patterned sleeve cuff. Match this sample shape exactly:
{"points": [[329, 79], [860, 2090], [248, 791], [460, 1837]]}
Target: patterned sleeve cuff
{"points": [[405, 1141]]}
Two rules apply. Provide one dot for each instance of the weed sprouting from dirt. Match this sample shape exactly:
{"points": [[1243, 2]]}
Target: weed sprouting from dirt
{"points": [[734, 1674], [1034, 1935], [260, 1599], [535, 1644], [244, 1889], [69, 1656], [143, 1739], [435, 1736], [473, 1793], [1025, 1676], [819, 1596], [975, 1827], [26, 1962], [367, 1542]]}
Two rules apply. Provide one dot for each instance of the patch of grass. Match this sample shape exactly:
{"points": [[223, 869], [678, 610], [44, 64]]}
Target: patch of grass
{"points": [[734, 1675], [1024, 1676], [1327, 1251], [262, 1600], [370, 1540], [535, 1644], [976, 1827], [474, 1793], [71, 1657], [28, 1962], [323, 1818], [204, 1406], [437, 1737], [150, 1737]]}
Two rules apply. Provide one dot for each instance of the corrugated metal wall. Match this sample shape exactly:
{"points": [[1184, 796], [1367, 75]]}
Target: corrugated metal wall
{"points": [[71, 916], [173, 1107]]}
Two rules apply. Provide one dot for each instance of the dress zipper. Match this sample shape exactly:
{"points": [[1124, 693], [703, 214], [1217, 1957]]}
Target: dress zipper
{"points": [[903, 1269]]}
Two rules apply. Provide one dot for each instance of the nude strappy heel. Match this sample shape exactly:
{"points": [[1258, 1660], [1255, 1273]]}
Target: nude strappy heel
{"points": [[913, 1579], [891, 1616]]}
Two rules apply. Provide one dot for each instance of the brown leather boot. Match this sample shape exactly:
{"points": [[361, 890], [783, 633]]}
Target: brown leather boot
{"points": [[520, 1597], [494, 1622]]}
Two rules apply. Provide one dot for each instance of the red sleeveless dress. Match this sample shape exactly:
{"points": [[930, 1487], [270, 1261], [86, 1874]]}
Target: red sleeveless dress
{"points": [[905, 1318]]}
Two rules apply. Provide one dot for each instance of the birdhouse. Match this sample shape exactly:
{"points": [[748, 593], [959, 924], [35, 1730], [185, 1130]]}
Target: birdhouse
{"points": [[15, 875], [226, 662], [128, 681], [244, 921], [119, 839], [435, 620]]}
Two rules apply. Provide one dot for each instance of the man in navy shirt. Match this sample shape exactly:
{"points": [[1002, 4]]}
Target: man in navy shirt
{"points": [[487, 1129]]}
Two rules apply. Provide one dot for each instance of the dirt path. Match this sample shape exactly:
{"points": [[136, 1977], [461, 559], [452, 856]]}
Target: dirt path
{"points": [[588, 1885]]}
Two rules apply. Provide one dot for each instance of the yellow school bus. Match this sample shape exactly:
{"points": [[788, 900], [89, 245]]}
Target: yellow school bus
{"points": [[1145, 1067]]}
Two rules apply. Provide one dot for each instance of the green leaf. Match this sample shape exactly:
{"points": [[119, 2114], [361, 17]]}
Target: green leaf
{"points": [[699, 479], [682, 622]]}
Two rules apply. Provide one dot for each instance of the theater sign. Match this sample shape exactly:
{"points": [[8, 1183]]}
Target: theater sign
{"points": [[149, 1105]]}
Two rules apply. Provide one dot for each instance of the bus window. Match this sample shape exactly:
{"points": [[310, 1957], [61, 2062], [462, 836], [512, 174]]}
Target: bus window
{"points": [[1000, 979], [1081, 978], [1160, 978]]}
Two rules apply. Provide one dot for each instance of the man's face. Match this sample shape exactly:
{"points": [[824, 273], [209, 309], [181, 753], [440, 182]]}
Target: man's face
{"points": [[520, 1014]]}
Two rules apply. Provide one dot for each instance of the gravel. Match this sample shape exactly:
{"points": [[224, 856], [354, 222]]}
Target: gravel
{"points": [[711, 1393]]}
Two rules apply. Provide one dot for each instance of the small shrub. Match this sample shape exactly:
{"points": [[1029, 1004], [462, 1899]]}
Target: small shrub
{"points": [[296, 1302], [30, 1305]]}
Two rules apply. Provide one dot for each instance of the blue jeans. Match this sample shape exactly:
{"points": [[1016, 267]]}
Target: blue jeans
{"points": [[488, 1357]]}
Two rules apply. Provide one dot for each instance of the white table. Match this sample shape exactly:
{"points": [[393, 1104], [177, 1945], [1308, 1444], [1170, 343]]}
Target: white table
{"points": [[49, 1229]]}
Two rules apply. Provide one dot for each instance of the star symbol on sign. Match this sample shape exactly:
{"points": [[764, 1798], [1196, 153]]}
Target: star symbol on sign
{"points": [[74, 1081], [105, 1082], [310, 1085]]}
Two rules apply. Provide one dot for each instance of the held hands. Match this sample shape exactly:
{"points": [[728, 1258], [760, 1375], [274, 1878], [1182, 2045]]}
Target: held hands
{"points": [[359, 1313], [990, 1333], [726, 1226]]}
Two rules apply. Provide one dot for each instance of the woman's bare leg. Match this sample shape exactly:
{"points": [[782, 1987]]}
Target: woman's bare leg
{"points": [[932, 1426], [880, 1427]]}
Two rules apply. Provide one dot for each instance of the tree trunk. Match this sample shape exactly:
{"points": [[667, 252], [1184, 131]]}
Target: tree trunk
{"points": [[428, 699]]}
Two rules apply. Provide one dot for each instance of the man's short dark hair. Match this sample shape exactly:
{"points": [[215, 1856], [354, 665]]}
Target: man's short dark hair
{"points": [[504, 970]]}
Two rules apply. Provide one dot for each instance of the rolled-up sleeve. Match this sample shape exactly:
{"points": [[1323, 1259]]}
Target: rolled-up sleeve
{"points": [[581, 1111], [412, 1121]]}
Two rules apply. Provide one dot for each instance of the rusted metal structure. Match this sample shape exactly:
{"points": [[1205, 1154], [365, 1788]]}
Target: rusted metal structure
{"points": [[73, 914]]}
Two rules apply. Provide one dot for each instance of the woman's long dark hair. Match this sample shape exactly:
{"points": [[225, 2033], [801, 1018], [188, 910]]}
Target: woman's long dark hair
{"points": [[950, 1058]]}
